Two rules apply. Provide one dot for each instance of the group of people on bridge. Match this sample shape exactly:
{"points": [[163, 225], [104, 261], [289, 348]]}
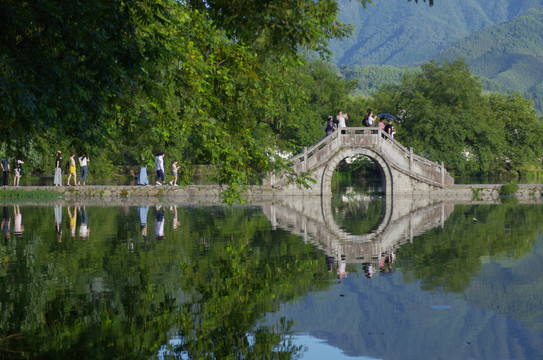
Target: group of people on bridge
{"points": [[369, 121]]}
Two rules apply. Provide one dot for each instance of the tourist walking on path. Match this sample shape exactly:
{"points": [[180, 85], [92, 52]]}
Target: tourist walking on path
{"points": [[83, 161], [58, 170], [5, 170], [18, 172], [330, 126], [174, 173], [142, 177], [159, 167], [71, 163], [341, 119]]}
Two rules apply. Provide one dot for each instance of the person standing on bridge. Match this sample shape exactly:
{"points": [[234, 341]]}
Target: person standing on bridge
{"points": [[368, 119], [330, 126], [382, 123], [341, 119], [388, 128]]}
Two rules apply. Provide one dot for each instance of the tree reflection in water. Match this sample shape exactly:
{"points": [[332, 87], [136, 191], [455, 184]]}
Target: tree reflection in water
{"points": [[119, 294]]}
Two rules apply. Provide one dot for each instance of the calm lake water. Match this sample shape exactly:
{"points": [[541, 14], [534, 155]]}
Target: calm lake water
{"points": [[351, 277]]}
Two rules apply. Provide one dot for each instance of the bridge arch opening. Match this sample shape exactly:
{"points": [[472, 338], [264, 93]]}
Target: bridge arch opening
{"points": [[355, 153], [358, 185], [358, 174]]}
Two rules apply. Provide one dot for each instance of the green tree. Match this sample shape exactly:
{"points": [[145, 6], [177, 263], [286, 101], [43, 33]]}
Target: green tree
{"points": [[213, 81], [445, 116]]}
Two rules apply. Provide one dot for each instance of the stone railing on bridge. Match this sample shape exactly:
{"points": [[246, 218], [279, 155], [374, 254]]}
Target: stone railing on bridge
{"points": [[395, 155]]}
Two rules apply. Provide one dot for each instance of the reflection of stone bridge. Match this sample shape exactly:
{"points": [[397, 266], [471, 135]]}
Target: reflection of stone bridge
{"points": [[401, 220], [402, 171]]}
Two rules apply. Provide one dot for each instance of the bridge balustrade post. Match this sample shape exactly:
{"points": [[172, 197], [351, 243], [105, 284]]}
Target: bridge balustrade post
{"points": [[411, 159], [442, 168], [304, 166]]}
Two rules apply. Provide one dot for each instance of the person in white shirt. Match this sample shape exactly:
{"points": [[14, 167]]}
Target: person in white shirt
{"points": [[159, 167], [83, 162], [369, 120], [341, 119]]}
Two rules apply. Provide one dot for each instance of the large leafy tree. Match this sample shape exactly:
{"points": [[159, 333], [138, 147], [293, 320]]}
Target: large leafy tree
{"points": [[213, 81], [61, 62]]}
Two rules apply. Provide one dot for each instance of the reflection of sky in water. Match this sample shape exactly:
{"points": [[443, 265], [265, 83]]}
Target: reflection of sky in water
{"points": [[388, 317], [318, 349]]}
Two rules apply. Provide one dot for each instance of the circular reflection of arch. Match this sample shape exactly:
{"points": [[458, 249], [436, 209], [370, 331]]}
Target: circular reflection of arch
{"points": [[384, 169]]}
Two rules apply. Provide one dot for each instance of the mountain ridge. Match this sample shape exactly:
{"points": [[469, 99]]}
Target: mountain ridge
{"points": [[505, 51], [400, 33]]}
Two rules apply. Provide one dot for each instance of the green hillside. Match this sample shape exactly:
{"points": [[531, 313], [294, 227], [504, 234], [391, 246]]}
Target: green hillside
{"points": [[369, 78], [399, 33], [510, 54]]}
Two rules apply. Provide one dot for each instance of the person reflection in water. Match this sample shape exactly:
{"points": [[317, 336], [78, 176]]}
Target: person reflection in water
{"points": [[84, 230], [159, 226], [72, 221], [6, 224], [389, 260], [369, 270], [142, 211], [386, 262], [175, 222], [330, 263], [341, 269], [58, 222], [18, 223]]}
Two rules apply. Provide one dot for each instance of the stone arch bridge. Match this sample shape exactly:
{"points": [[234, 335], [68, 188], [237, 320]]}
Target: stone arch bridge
{"points": [[403, 172]]}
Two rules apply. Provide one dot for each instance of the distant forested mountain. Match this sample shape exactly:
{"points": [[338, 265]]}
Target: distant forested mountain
{"points": [[399, 33], [370, 77], [501, 41], [509, 54]]}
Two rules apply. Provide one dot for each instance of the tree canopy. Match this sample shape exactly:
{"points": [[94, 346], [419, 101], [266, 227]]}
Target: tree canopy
{"points": [[223, 83], [445, 116], [212, 82]]}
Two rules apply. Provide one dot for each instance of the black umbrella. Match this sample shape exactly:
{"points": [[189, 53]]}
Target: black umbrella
{"points": [[386, 115]]}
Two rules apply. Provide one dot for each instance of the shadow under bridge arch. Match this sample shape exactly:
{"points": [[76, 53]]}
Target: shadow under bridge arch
{"points": [[345, 153]]}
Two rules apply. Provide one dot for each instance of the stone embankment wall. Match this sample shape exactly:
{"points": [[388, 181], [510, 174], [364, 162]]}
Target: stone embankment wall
{"points": [[454, 193], [489, 192]]}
